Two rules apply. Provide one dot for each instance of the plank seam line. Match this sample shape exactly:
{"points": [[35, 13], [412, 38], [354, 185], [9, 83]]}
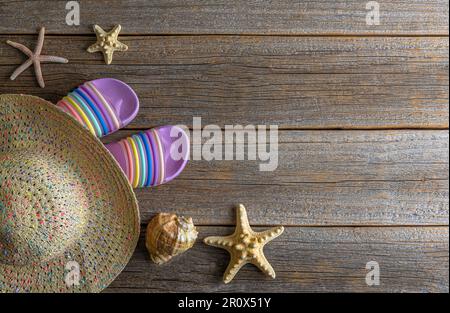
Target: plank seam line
{"points": [[443, 128], [327, 226], [324, 182], [380, 35]]}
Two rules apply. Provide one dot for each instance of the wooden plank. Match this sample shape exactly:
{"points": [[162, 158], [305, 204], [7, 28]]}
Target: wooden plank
{"points": [[292, 82], [340, 17], [324, 259], [323, 178]]}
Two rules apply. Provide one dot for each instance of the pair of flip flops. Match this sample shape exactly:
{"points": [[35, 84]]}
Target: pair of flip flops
{"points": [[149, 158]]}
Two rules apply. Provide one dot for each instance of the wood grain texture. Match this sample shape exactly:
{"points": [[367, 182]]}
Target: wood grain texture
{"points": [[325, 259], [378, 192], [293, 82], [396, 177], [342, 17]]}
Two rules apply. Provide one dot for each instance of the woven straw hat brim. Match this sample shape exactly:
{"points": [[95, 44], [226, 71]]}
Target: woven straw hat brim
{"points": [[102, 226]]}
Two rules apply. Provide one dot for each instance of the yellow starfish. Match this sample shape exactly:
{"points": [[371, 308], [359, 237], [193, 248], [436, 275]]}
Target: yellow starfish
{"points": [[245, 246], [107, 42]]}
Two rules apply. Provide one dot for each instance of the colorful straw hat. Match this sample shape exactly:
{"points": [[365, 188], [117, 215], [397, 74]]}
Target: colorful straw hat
{"points": [[69, 220]]}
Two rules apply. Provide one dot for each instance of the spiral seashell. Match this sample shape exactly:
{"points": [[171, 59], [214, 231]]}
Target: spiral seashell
{"points": [[169, 235]]}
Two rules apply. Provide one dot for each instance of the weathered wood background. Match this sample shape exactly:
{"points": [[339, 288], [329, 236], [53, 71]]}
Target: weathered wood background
{"points": [[363, 118]]}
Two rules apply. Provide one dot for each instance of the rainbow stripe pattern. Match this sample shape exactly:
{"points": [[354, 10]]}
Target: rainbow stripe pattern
{"points": [[144, 158], [89, 107]]}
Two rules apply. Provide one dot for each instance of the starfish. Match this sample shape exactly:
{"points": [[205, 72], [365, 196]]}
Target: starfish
{"points": [[245, 246], [107, 42], [34, 58]]}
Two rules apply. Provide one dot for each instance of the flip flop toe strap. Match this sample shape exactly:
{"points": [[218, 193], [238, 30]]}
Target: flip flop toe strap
{"points": [[144, 156], [89, 107]]}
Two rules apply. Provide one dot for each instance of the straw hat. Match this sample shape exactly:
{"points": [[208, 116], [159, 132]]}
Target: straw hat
{"points": [[69, 219]]}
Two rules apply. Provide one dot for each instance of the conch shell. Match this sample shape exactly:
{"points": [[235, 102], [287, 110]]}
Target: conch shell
{"points": [[169, 235]]}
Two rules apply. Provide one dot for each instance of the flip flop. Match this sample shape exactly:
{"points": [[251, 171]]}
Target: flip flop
{"points": [[103, 105], [153, 157]]}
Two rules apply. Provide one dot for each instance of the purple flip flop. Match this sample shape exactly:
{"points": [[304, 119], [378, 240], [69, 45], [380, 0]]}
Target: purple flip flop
{"points": [[153, 157], [103, 105]]}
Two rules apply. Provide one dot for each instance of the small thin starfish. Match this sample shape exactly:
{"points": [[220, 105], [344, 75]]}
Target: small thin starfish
{"points": [[34, 58], [107, 42], [245, 246]]}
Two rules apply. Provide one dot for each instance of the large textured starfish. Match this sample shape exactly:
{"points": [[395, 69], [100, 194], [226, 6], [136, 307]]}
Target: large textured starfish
{"points": [[107, 43], [34, 58], [245, 246]]}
